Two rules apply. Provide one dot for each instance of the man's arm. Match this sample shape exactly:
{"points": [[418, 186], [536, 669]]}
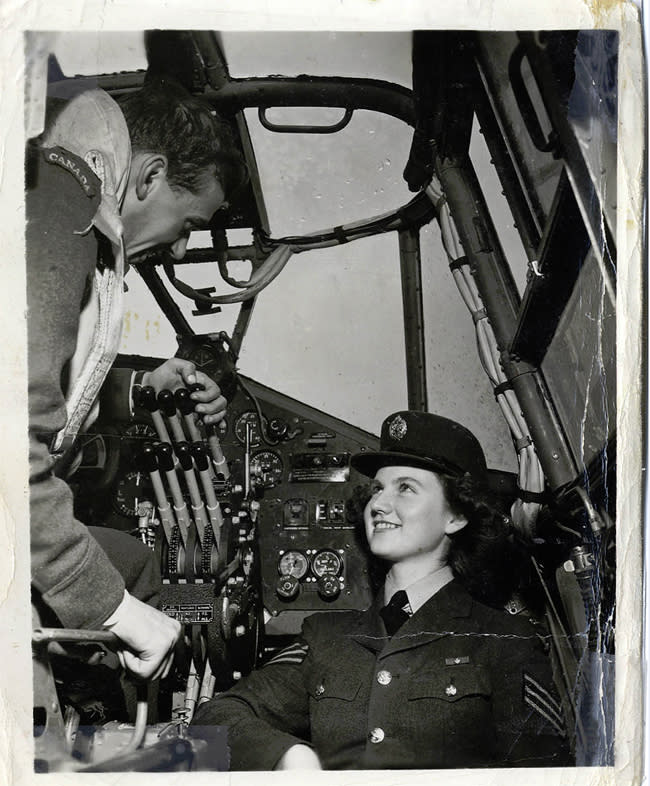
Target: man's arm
{"points": [[69, 568], [209, 404], [117, 392]]}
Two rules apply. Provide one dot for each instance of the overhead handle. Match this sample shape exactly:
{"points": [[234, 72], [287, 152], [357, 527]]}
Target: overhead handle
{"points": [[279, 128]]}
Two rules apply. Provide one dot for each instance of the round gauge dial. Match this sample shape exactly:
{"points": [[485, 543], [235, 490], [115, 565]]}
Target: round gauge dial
{"points": [[131, 490], [293, 563], [252, 420], [326, 563], [267, 469], [141, 431]]}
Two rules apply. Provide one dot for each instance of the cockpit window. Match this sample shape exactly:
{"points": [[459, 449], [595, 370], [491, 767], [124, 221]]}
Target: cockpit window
{"points": [[99, 52], [382, 55]]}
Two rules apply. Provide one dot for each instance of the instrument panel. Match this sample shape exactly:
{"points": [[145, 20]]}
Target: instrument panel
{"points": [[292, 462]]}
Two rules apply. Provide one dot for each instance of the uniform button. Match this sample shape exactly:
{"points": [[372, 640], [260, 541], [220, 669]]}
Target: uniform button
{"points": [[376, 735], [451, 690], [320, 690], [384, 677]]}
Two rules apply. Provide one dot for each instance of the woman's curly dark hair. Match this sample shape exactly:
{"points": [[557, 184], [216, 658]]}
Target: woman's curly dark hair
{"points": [[482, 555]]}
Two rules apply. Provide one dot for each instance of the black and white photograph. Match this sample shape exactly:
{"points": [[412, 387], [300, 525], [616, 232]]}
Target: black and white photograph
{"points": [[324, 435]]}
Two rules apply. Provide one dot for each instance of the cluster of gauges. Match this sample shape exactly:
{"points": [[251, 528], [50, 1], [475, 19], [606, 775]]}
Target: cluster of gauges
{"points": [[133, 487], [321, 569], [266, 469]]}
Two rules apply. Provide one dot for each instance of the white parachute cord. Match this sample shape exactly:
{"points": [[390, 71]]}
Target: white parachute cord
{"points": [[530, 477]]}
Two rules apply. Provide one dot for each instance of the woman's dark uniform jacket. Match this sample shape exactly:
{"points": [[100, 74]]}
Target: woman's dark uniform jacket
{"points": [[459, 685]]}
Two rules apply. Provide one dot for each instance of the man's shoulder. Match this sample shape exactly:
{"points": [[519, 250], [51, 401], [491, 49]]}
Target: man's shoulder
{"points": [[80, 122], [73, 165], [62, 197], [92, 127]]}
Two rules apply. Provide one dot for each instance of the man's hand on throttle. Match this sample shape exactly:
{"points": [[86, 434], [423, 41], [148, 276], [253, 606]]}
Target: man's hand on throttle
{"points": [[175, 373]]}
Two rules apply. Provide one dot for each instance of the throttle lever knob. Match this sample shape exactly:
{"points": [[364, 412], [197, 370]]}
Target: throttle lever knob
{"points": [[165, 456], [184, 403], [200, 456], [184, 455], [166, 402], [148, 458], [148, 398]]}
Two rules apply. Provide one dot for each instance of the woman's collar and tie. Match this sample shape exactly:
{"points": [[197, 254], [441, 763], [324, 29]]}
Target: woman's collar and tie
{"points": [[402, 602]]}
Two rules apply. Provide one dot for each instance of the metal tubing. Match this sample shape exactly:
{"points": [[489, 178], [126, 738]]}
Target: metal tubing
{"points": [[220, 462], [166, 463], [238, 94], [165, 512], [212, 504], [501, 299], [198, 508], [597, 218], [167, 518], [411, 271], [370, 94], [185, 406], [481, 243], [207, 684], [79, 636], [519, 200], [169, 307], [167, 404]]}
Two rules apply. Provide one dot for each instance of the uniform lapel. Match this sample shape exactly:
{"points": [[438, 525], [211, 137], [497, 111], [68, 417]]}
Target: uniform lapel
{"points": [[370, 632], [437, 618]]}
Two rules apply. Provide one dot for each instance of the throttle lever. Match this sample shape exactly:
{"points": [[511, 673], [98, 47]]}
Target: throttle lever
{"points": [[149, 402], [167, 403], [220, 463], [165, 456], [149, 463], [185, 406], [202, 461], [184, 454]]}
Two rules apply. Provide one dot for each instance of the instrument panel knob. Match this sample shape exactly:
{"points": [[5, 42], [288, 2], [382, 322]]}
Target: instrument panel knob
{"points": [[329, 587], [287, 587]]}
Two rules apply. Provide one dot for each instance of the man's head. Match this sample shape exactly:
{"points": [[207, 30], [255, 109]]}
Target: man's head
{"points": [[184, 165]]}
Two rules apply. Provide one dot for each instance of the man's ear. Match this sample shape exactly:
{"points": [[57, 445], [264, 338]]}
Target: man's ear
{"points": [[150, 171], [455, 524]]}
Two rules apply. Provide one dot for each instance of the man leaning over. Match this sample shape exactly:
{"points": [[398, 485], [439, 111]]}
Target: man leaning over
{"points": [[106, 184]]}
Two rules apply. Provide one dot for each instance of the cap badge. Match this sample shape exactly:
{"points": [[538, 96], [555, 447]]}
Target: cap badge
{"points": [[397, 428]]}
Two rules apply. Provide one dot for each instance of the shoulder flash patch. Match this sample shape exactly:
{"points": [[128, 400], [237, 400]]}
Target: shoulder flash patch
{"points": [[544, 703], [293, 654], [77, 167]]}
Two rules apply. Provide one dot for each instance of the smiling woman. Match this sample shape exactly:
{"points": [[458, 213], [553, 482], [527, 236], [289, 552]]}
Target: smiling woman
{"points": [[408, 519], [438, 677]]}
